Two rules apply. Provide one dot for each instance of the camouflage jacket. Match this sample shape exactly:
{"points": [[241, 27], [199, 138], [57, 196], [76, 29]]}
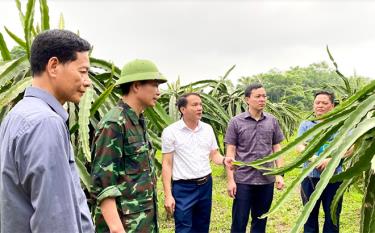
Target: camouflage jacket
{"points": [[123, 166]]}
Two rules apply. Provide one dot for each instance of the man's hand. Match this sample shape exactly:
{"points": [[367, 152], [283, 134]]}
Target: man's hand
{"points": [[232, 189], [279, 182], [169, 204], [323, 164], [228, 162]]}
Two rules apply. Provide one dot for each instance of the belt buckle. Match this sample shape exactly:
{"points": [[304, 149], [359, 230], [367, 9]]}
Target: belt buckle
{"points": [[202, 181]]}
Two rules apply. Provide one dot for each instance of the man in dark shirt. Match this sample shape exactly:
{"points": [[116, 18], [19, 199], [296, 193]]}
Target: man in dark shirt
{"points": [[252, 135]]}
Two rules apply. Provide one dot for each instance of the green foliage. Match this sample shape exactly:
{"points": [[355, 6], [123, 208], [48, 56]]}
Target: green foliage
{"points": [[368, 210], [12, 69], [84, 121], [44, 15], [28, 26], [297, 85], [16, 38], [9, 95], [5, 54]]}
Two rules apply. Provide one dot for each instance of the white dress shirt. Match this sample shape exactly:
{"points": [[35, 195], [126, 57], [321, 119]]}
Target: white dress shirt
{"points": [[190, 149]]}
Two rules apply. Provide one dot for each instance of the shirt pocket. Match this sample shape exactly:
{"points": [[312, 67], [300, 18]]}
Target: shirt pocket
{"points": [[136, 158], [136, 205], [265, 137]]}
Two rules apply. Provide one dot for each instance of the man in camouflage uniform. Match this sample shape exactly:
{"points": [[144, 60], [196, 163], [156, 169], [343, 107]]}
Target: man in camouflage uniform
{"points": [[123, 171]]}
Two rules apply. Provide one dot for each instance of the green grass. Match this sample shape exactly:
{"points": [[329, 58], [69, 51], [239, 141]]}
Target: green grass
{"points": [[281, 221]]}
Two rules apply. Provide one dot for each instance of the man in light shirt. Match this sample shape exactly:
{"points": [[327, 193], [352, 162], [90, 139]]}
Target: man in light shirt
{"points": [[324, 102], [187, 147], [40, 189]]}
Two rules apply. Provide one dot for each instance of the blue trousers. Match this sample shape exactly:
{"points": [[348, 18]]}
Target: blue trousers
{"points": [[193, 206], [254, 198], [312, 225]]}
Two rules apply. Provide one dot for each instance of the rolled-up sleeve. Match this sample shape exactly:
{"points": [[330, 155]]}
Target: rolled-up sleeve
{"points": [[106, 166]]}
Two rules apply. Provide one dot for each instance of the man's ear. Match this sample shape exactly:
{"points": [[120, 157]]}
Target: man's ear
{"points": [[182, 109], [52, 66], [135, 86]]}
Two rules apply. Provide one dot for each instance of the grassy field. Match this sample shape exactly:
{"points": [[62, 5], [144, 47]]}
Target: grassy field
{"points": [[280, 222]]}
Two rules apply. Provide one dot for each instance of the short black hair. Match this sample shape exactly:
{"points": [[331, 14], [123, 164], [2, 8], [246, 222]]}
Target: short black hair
{"points": [[125, 88], [331, 95], [252, 87], [62, 44], [182, 100]]}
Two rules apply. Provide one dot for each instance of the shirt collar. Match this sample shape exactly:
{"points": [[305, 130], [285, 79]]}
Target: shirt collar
{"points": [[182, 125], [49, 99], [131, 113], [247, 115]]}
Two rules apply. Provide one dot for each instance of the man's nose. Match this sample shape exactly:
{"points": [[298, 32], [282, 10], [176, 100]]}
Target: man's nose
{"points": [[86, 81]]}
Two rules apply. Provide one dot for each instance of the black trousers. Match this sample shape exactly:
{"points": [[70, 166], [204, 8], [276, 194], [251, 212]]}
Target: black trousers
{"points": [[256, 199], [312, 224]]}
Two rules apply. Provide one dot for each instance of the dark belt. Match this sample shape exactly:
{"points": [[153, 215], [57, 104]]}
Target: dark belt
{"points": [[197, 181]]}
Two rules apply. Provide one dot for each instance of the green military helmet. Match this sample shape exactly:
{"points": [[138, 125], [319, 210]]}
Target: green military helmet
{"points": [[138, 70]]}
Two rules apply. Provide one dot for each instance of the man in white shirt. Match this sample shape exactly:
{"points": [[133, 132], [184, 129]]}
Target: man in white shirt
{"points": [[187, 147]]}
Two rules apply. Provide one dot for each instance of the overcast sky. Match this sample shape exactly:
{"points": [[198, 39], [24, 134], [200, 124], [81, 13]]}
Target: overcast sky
{"points": [[202, 39]]}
